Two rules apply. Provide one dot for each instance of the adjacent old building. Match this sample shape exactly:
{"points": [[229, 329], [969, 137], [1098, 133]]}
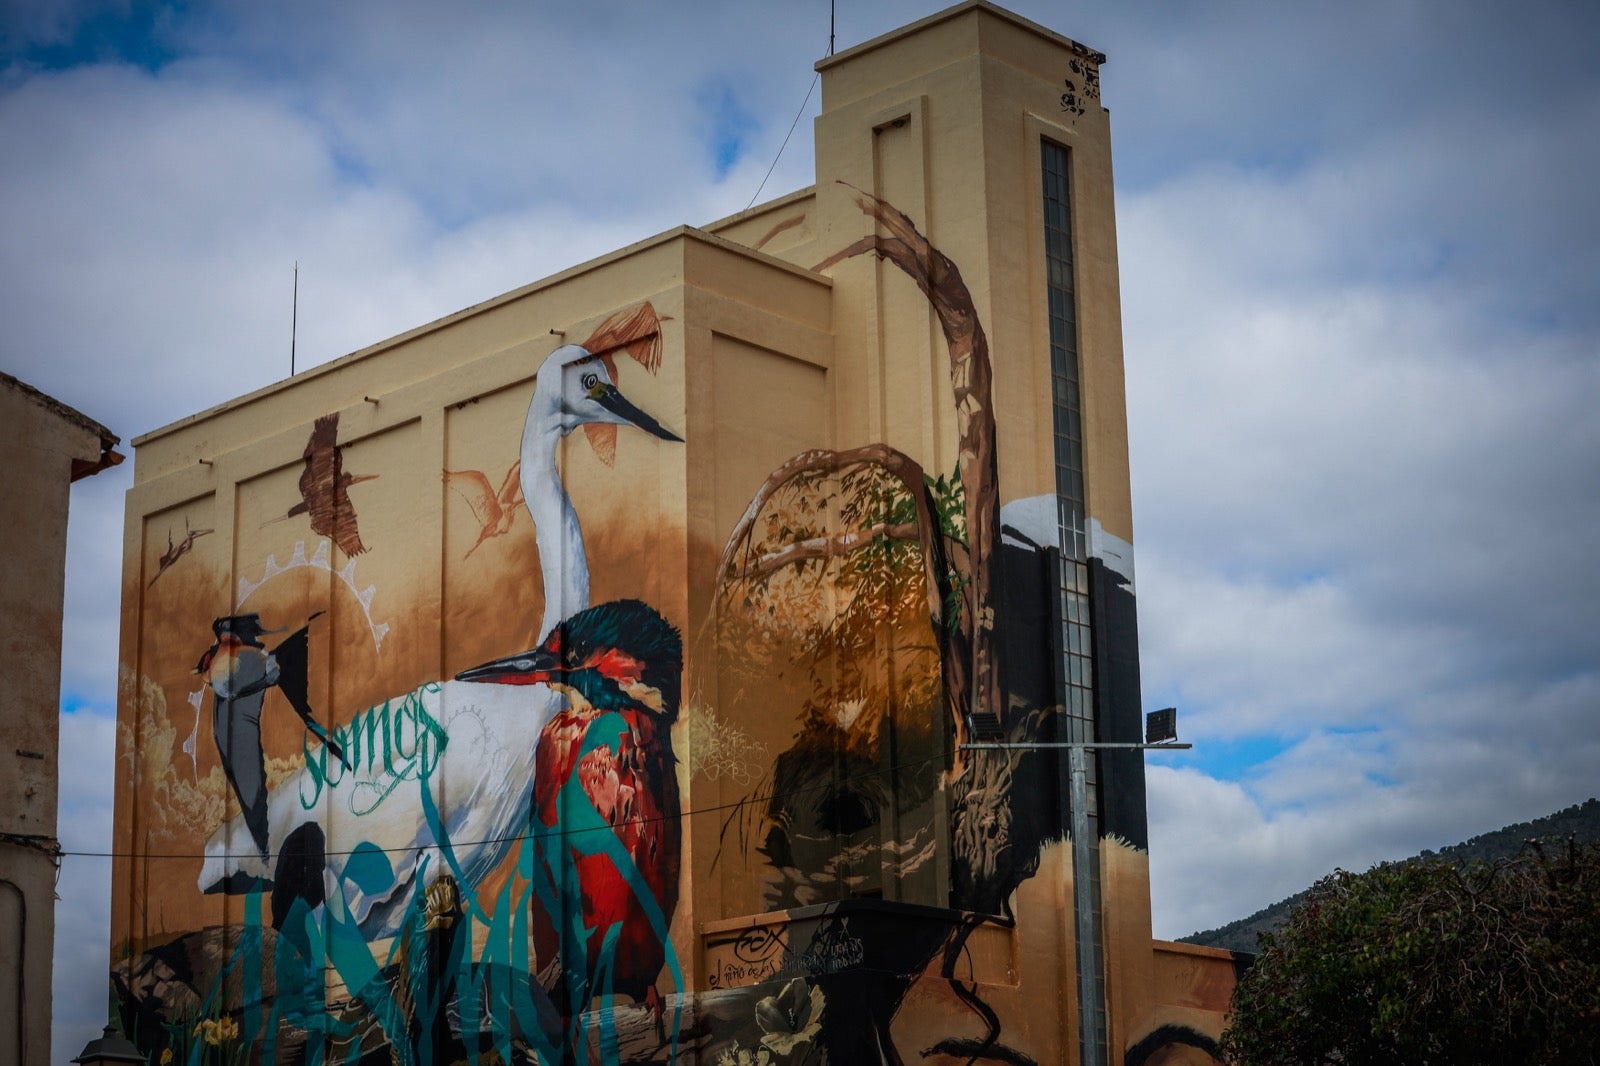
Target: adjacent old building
{"points": [[661, 661], [45, 446]]}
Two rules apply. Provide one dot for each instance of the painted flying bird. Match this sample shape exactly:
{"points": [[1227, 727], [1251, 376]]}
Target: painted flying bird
{"points": [[177, 551], [324, 488], [482, 786], [239, 670], [605, 760], [494, 511]]}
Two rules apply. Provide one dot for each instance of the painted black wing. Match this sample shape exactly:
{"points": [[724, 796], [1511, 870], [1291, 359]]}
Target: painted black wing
{"points": [[292, 657]]}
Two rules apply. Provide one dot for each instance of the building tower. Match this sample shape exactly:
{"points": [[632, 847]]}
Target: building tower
{"points": [[988, 131]]}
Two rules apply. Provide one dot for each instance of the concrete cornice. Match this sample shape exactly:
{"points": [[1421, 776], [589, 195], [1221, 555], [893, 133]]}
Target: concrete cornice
{"points": [[954, 12]]}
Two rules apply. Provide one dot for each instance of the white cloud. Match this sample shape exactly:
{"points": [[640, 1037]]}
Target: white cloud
{"points": [[1347, 491], [1451, 766], [93, 592], [1361, 361]]}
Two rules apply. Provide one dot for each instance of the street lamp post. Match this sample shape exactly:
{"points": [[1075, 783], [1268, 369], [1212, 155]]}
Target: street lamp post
{"points": [[1161, 734]]}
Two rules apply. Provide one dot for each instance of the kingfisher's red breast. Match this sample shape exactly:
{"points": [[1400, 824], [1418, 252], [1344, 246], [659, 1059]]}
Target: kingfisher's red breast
{"points": [[635, 789]]}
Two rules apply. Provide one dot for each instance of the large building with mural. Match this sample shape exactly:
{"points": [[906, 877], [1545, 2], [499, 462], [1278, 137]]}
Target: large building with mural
{"points": [[668, 661]]}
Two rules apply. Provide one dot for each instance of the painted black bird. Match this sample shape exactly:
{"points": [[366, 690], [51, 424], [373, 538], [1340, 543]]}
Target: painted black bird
{"points": [[606, 760], [240, 669]]}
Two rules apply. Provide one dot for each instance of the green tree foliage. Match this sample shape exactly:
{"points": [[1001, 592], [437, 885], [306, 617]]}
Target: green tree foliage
{"points": [[1581, 821], [1430, 963]]}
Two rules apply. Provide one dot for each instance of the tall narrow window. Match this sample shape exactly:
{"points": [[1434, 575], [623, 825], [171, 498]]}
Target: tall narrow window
{"points": [[1076, 648]]}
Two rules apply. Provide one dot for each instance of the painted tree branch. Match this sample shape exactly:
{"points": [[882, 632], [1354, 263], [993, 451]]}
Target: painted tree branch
{"points": [[970, 380], [736, 563], [829, 547]]}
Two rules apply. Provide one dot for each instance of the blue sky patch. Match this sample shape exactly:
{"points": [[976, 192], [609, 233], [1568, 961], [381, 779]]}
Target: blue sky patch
{"points": [[135, 34], [730, 126], [1231, 758], [72, 703], [350, 165]]}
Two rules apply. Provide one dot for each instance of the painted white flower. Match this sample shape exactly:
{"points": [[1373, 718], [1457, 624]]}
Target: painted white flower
{"points": [[791, 1017], [740, 1056]]}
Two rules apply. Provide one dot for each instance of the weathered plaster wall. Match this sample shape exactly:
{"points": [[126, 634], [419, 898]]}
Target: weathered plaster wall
{"points": [[43, 446]]}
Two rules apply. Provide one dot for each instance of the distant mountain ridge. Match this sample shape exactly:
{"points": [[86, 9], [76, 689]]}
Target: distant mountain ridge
{"points": [[1581, 821]]}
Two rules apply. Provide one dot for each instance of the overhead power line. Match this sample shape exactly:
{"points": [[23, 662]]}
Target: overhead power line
{"points": [[785, 144], [763, 797]]}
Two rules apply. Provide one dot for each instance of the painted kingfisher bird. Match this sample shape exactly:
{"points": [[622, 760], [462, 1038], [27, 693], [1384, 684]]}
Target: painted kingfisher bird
{"points": [[605, 762], [240, 669]]}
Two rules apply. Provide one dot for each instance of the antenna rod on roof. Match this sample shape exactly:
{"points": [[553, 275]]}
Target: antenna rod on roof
{"points": [[830, 26], [294, 316]]}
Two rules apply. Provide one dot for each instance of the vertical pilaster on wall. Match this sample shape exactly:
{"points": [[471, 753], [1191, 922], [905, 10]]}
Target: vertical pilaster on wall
{"points": [[909, 367], [126, 770], [914, 370], [228, 470], [702, 675], [430, 526]]}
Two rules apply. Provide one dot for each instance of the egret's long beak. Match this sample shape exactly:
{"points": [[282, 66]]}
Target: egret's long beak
{"points": [[525, 668], [608, 397]]}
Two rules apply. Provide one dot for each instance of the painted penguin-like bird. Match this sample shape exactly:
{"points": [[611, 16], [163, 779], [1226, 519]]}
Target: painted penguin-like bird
{"points": [[605, 761], [240, 669]]}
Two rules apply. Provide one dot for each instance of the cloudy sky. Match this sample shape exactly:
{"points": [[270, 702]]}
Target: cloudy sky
{"points": [[1361, 275]]}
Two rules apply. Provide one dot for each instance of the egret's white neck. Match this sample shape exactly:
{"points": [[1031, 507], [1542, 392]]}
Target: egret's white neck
{"points": [[560, 540]]}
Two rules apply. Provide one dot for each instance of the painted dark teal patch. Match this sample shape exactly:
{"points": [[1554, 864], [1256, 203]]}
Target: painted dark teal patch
{"points": [[369, 868]]}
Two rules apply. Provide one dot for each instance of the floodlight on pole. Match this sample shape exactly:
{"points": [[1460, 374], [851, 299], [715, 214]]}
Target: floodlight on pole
{"points": [[1161, 725]]}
